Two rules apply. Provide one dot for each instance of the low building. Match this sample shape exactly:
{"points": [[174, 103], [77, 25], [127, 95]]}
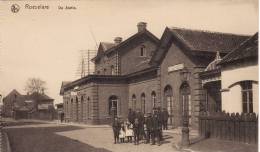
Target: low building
{"points": [[33, 106], [143, 72], [8, 103], [239, 78], [231, 83]]}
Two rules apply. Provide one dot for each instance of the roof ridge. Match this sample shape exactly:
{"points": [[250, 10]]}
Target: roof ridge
{"points": [[241, 45], [207, 31]]}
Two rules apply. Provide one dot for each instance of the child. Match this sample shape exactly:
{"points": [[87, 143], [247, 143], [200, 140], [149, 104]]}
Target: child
{"points": [[129, 132], [122, 134]]}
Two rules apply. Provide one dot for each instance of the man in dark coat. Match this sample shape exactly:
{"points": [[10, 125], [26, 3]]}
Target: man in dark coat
{"points": [[160, 118], [136, 131], [140, 117], [116, 128], [148, 123], [154, 125], [131, 116], [165, 119]]}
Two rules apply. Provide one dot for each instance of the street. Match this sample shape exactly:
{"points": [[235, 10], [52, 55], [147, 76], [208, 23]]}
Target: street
{"points": [[55, 137], [40, 138]]}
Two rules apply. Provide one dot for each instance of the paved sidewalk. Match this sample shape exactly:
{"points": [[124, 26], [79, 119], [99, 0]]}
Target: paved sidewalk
{"points": [[101, 136]]}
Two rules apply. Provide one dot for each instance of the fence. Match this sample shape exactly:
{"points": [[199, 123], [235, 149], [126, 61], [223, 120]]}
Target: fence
{"points": [[235, 127]]}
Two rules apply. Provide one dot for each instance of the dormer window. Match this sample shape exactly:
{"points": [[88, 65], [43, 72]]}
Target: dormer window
{"points": [[143, 51]]}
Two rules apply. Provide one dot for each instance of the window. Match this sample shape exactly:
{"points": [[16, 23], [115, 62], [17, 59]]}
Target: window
{"points": [[113, 100], [153, 99], [134, 102], [105, 70], [113, 70], [143, 102], [142, 51], [98, 72], [88, 107], [247, 96]]}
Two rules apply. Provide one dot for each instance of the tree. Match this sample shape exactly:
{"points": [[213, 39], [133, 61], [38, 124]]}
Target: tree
{"points": [[35, 85]]}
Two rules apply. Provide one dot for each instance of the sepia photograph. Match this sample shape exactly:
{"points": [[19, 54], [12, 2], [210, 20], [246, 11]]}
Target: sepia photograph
{"points": [[129, 75]]}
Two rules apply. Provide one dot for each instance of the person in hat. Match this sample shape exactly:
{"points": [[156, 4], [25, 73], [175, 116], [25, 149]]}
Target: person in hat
{"points": [[136, 131], [131, 116], [116, 128], [165, 119], [148, 123]]}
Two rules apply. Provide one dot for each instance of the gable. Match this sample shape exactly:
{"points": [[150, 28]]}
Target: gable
{"points": [[202, 45]]}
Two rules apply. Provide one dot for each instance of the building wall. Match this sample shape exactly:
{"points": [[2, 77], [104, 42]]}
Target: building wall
{"points": [[146, 87], [131, 61], [176, 56], [231, 95], [105, 91], [106, 62]]}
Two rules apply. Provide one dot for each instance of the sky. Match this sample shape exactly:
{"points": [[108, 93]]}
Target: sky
{"points": [[46, 44]]}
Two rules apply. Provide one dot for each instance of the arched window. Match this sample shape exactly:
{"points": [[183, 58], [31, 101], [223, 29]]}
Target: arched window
{"points": [[247, 96], [71, 109], [88, 108], [153, 99], [143, 102], [185, 101], [113, 70], [81, 108], [142, 51], [105, 71], [113, 104], [98, 72], [133, 102], [168, 100], [77, 109]]}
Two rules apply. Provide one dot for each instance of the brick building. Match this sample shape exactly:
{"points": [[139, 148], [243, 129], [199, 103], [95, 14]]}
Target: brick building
{"points": [[143, 72], [33, 106]]}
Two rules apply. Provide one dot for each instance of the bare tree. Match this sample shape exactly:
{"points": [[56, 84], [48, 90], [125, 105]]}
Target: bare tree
{"points": [[35, 85]]}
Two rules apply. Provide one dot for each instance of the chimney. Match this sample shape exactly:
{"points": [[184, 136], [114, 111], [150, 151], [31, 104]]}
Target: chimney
{"points": [[141, 26], [118, 40]]}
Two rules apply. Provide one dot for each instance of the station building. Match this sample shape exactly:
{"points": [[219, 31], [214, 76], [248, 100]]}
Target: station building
{"points": [[143, 72]]}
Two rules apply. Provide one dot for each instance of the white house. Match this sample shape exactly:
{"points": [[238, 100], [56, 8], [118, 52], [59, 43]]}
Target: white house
{"points": [[239, 78]]}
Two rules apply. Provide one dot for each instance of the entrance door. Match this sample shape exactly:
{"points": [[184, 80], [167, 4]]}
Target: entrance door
{"points": [[113, 103]]}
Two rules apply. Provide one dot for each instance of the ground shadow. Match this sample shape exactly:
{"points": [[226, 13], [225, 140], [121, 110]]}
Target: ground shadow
{"points": [[46, 140]]}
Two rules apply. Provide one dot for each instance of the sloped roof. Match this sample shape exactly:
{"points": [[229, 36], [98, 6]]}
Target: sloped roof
{"points": [[63, 84], [197, 42], [14, 91], [39, 97], [248, 49], [126, 42], [107, 45]]}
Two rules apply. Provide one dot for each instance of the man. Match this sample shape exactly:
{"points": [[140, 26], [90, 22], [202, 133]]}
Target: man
{"points": [[154, 126], [136, 131], [148, 123], [140, 117], [131, 116], [160, 118], [116, 128], [165, 119]]}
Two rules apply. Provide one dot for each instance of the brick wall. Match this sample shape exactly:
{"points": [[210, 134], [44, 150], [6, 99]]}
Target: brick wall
{"points": [[176, 56]]}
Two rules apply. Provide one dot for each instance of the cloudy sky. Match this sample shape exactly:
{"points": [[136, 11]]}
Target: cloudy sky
{"points": [[46, 43]]}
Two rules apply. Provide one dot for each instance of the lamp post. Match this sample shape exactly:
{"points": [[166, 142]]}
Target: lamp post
{"points": [[185, 74]]}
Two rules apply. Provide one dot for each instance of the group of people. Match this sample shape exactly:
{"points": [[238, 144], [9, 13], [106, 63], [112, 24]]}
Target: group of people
{"points": [[141, 127]]}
